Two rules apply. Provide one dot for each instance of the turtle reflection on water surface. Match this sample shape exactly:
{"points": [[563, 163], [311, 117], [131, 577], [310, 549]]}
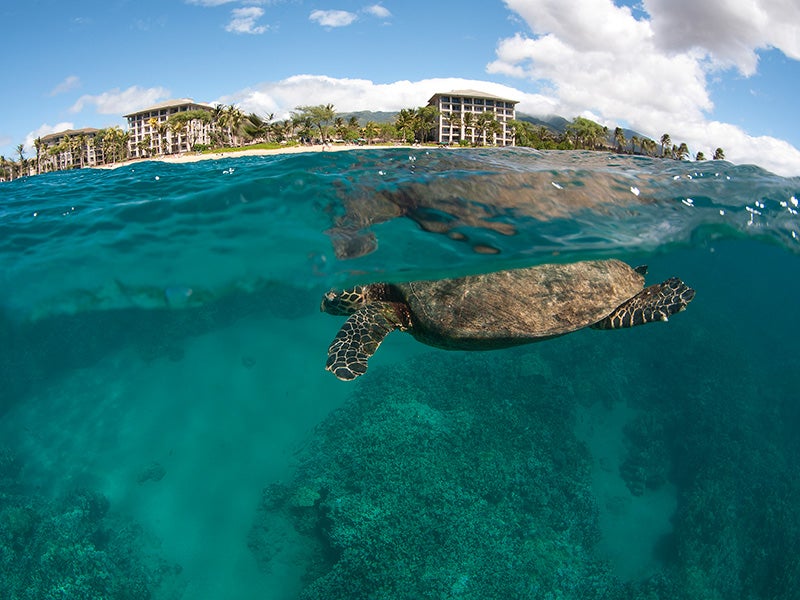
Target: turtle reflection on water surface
{"points": [[497, 310]]}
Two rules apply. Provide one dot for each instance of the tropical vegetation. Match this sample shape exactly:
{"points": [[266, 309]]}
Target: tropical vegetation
{"points": [[585, 134]]}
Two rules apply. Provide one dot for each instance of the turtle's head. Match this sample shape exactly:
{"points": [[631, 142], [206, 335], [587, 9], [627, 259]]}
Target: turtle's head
{"points": [[344, 302]]}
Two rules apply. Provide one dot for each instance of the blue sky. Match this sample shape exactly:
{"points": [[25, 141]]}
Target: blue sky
{"points": [[715, 73]]}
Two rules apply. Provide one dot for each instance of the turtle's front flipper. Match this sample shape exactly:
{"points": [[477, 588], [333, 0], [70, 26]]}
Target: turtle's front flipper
{"points": [[655, 303], [359, 338]]}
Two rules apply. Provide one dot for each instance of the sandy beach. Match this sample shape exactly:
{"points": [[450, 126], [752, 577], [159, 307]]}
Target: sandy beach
{"points": [[197, 156]]}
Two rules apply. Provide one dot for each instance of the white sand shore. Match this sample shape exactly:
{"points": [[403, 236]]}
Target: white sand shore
{"points": [[196, 156]]}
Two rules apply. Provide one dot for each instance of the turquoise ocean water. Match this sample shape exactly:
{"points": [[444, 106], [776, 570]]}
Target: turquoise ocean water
{"points": [[168, 430]]}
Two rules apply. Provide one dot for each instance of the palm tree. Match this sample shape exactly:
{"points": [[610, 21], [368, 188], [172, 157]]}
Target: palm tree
{"points": [[233, 119], [80, 143], [175, 125], [339, 128], [163, 137], [481, 125], [454, 119], [700, 156], [217, 125], [258, 128], [144, 146], [487, 123], [284, 130], [682, 153], [405, 123], [37, 143], [304, 126], [198, 123], [155, 128], [426, 121], [6, 169], [619, 139], [634, 140], [666, 144], [353, 127], [469, 126], [719, 154], [23, 162], [370, 131], [495, 129], [524, 133], [55, 156], [547, 139], [67, 156], [218, 116], [115, 144], [91, 150], [225, 117]]}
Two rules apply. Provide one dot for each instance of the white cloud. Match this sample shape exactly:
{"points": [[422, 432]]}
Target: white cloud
{"points": [[333, 18], [628, 85], [771, 153], [378, 10], [43, 130], [729, 31], [281, 97], [594, 56], [243, 20], [120, 102], [70, 83]]}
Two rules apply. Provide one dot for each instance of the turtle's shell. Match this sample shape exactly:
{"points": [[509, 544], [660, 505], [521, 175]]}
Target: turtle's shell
{"points": [[517, 306]]}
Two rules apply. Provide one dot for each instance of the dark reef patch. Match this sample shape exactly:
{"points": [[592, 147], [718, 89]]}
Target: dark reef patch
{"points": [[74, 546]]}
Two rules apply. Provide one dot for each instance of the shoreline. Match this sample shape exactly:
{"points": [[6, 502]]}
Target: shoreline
{"points": [[196, 157]]}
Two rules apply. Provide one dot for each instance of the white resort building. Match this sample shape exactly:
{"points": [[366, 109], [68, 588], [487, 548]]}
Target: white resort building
{"points": [[69, 149], [465, 115], [155, 130]]}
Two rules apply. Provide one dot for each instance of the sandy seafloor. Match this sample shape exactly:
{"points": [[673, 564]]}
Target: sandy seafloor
{"points": [[655, 462]]}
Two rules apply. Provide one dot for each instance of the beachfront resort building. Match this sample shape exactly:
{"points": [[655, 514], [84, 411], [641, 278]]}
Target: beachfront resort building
{"points": [[466, 115], [171, 127], [69, 149]]}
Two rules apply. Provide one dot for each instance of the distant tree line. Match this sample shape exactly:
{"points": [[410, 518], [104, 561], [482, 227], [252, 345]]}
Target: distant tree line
{"points": [[585, 134]]}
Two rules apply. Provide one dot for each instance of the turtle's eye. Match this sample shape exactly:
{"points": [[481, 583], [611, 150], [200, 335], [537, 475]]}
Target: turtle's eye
{"points": [[334, 303]]}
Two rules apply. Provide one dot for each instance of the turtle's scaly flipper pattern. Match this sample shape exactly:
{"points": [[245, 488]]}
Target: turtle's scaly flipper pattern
{"points": [[655, 303], [359, 338]]}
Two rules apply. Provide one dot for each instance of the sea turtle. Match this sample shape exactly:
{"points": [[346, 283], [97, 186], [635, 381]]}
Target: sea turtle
{"points": [[497, 310], [467, 197]]}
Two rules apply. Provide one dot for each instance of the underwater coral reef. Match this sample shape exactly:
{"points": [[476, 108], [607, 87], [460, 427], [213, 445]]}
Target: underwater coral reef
{"points": [[472, 482], [73, 547]]}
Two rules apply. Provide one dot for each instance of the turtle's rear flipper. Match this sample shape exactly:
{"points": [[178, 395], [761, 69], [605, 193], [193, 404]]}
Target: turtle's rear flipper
{"points": [[358, 339], [655, 303]]}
